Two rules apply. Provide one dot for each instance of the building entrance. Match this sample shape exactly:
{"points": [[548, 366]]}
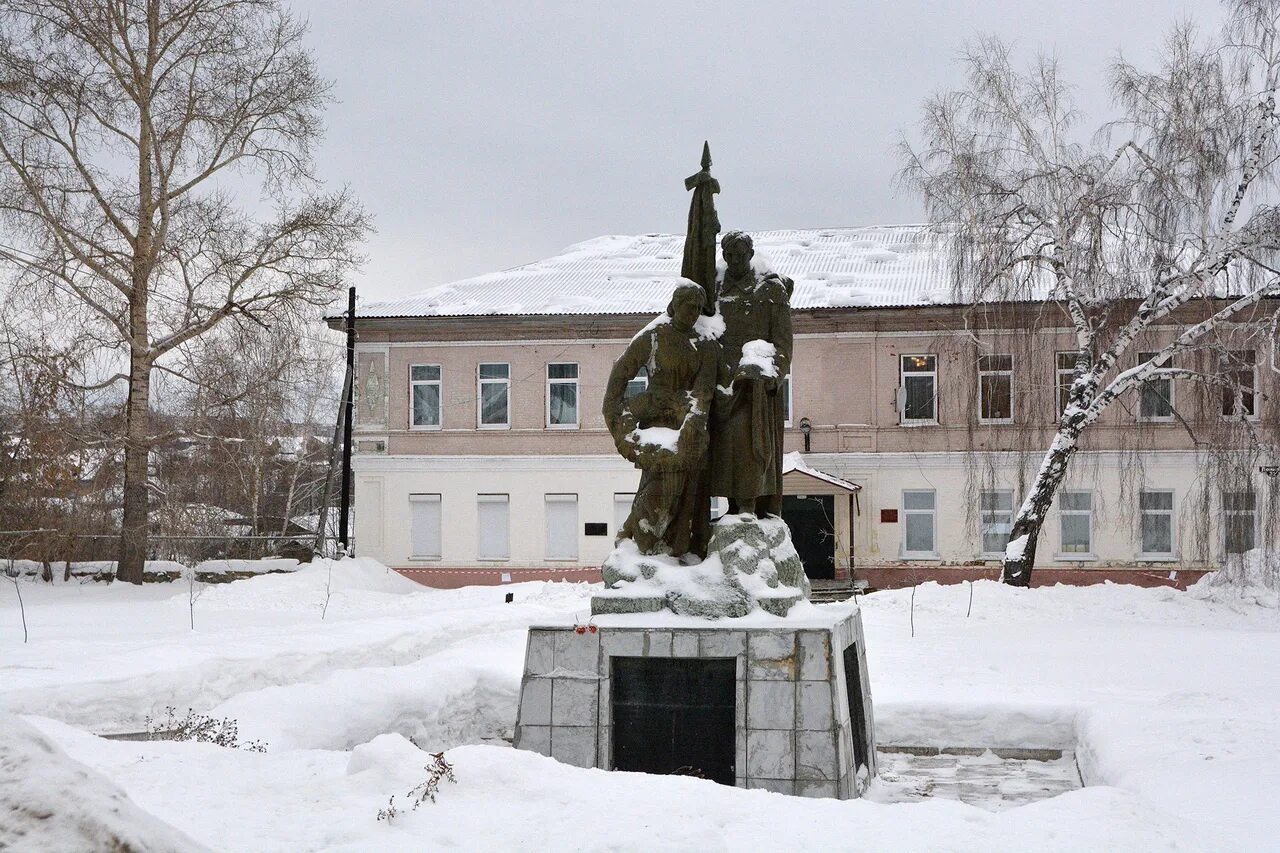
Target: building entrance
{"points": [[812, 522]]}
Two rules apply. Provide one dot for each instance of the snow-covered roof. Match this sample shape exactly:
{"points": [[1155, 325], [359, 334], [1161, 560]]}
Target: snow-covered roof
{"points": [[794, 462], [889, 265]]}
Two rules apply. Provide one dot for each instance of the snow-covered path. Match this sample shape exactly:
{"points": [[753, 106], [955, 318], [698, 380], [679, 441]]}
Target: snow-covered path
{"points": [[1169, 701]]}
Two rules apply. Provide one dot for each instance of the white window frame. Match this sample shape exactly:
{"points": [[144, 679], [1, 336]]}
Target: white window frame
{"points": [[642, 379], [1060, 373], [989, 372], [1063, 553], [577, 395], [427, 498], [903, 420], [480, 383], [504, 499], [439, 383], [983, 522], [560, 498], [788, 400], [933, 521], [1172, 553], [1257, 398], [620, 520], [1253, 516], [1143, 358]]}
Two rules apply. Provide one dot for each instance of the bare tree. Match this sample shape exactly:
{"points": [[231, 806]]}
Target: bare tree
{"points": [[156, 179], [1158, 219]]}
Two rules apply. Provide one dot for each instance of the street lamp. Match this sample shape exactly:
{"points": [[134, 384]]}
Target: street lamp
{"points": [[805, 429]]}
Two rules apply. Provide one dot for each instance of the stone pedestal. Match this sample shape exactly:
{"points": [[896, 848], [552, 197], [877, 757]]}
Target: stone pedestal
{"points": [[801, 702]]}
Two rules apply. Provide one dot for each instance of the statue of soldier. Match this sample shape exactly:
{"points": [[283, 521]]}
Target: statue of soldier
{"points": [[747, 417]]}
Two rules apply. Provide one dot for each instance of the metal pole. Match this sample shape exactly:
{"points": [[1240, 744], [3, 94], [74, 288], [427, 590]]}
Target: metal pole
{"points": [[344, 512]]}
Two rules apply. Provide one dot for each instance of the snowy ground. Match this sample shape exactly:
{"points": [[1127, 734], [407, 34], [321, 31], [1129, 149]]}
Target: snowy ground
{"points": [[1169, 700]]}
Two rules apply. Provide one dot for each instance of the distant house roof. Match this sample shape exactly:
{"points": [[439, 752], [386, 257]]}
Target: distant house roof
{"points": [[890, 265]]}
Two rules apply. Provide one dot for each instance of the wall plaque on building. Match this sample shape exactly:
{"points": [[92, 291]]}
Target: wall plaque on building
{"points": [[888, 516]]}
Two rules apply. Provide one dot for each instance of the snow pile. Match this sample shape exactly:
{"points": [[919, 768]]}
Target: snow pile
{"points": [[760, 355], [1253, 576], [50, 802]]}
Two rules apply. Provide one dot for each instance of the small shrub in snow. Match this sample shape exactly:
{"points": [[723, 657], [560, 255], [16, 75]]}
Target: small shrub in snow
{"points": [[201, 729], [437, 770]]}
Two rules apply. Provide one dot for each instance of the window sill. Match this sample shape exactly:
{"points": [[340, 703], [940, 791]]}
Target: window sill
{"points": [[419, 428], [493, 559], [995, 422], [1156, 558], [934, 555], [1076, 558], [488, 427], [560, 559], [918, 423], [417, 559], [562, 426], [1167, 420]]}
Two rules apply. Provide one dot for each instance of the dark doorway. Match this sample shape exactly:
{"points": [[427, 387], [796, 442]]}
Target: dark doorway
{"points": [[811, 519], [674, 715], [857, 713]]}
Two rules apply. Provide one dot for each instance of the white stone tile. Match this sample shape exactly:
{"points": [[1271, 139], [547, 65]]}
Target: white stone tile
{"points": [[813, 706], [771, 705], [740, 705], [604, 752], [534, 739], [578, 652], [771, 754], [659, 644], [816, 788], [573, 702], [605, 716], [815, 652], [540, 652], [684, 644], [535, 702], [816, 756], [778, 786], [722, 644], [771, 655], [574, 745], [622, 643]]}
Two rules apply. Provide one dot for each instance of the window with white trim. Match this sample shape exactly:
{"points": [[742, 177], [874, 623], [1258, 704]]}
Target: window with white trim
{"points": [[493, 525], [622, 502], [1155, 525], [784, 391], [1155, 400], [995, 520], [562, 526], [918, 394], [1240, 369], [638, 384], [1240, 521], [424, 527], [562, 395], [494, 395], [919, 511], [1075, 522], [424, 396], [1066, 375], [995, 389]]}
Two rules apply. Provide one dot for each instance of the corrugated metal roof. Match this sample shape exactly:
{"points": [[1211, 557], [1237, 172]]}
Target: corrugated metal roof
{"points": [[891, 265]]}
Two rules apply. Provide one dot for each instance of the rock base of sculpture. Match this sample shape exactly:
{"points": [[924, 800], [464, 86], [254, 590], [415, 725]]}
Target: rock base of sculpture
{"points": [[750, 563], [757, 702]]}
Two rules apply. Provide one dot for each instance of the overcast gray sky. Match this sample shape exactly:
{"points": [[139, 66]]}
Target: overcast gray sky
{"points": [[485, 135]]}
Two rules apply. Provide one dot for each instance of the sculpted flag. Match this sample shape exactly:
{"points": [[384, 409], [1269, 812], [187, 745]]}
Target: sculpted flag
{"points": [[699, 263]]}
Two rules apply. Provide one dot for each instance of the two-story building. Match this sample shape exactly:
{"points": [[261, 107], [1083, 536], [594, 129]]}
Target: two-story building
{"points": [[915, 424]]}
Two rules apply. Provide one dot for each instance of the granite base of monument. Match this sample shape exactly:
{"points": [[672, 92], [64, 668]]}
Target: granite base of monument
{"points": [[756, 702]]}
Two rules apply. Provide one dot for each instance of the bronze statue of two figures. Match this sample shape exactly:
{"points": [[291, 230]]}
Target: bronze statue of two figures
{"points": [[696, 401]]}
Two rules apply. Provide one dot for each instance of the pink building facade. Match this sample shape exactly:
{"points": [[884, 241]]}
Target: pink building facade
{"points": [[482, 455]]}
